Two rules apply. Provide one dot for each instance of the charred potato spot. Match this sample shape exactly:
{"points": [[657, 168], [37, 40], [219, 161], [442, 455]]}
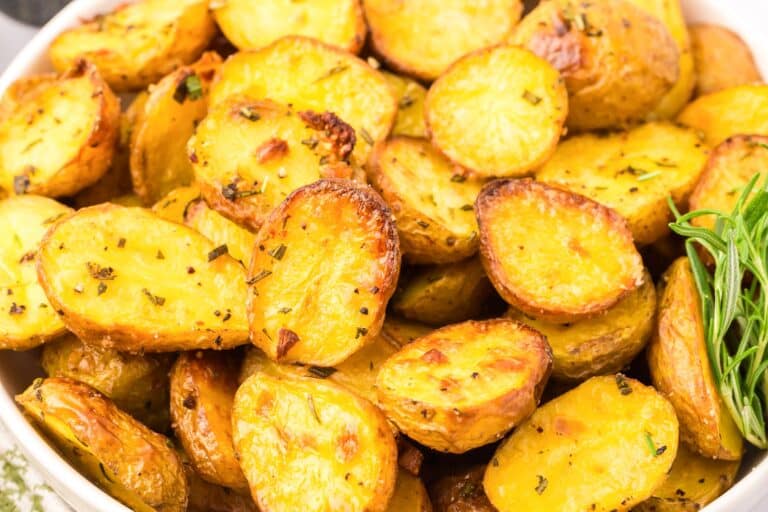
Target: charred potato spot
{"points": [[465, 385], [721, 58], [410, 106], [595, 446], [461, 492], [480, 112], [99, 267], [525, 225]]}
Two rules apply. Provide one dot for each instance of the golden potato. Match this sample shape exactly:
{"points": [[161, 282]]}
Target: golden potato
{"points": [[633, 172], [693, 481], [253, 24], [410, 495], [602, 344], [203, 386], [410, 105], [248, 155], [174, 206], [465, 385], [207, 497], [22, 89], [126, 279], [498, 111], [123, 457], [605, 445], [431, 199], [733, 111], [220, 230], [680, 369], [138, 384], [311, 445], [324, 266], [61, 137], [617, 60], [461, 492], [175, 106], [313, 76], [540, 258], [722, 59], [138, 43], [444, 294], [402, 332]]}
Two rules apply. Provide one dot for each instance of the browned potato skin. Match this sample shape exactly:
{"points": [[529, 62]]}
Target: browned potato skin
{"points": [[462, 492], [722, 59], [208, 497], [680, 369], [203, 386]]}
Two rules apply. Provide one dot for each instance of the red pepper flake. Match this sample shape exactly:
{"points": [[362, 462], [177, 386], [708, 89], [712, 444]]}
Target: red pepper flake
{"points": [[272, 149], [434, 356], [286, 339]]}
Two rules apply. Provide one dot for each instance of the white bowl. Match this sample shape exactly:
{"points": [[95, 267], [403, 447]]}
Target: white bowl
{"points": [[17, 370]]}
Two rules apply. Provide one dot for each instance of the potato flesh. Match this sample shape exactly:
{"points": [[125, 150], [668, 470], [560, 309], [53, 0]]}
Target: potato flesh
{"points": [[26, 317], [174, 205], [307, 444], [497, 112], [221, 230], [593, 448], [410, 105], [722, 59], [410, 495], [154, 303]]}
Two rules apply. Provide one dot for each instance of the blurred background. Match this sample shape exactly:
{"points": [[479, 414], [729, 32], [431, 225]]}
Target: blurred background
{"points": [[19, 20]]}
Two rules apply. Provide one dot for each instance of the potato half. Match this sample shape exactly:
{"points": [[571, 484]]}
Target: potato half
{"points": [[410, 105], [138, 43], [680, 369], [26, 317], [542, 259], [431, 198], [461, 491], [324, 266], [311, 445], [126, 279], [498, 111], [605, 445], [60, 136], [220, 230], [722, 59], [633, 172], [465, 385], [126, 459]]}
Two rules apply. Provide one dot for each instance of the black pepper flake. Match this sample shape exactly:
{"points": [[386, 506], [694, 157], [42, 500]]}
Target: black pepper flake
{"points": [[495, 462], [450, 241], [278, 252], [542, 484], [121, 243], [467, 208], [227, 316], [160, 255], [101, 288], [101, 273], [17, 309], [20, 184], [361, 331], [375, 290], [218, 341], [258, 277], [190, 270], [190, 402], [364, 311], [285, 310], [661, 449], [321, 372], [218, 252], [623, 385], [154, 299], [475, 375], [423, 224]]}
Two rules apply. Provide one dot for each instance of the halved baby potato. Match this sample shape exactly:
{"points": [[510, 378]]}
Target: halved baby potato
{"points": [[60, 137], [248, 155], [26, 317], [410, 495], [461, 491], [324, 266], [605, 445], [465, 385], [680, 369], [410, 105], [126, 459], [220, 230], [431, 199], [138, 43], [554, 254], [311, 445], [253, 24], [126, 279], [203, 386], [175, 106], [310, 75], [603, 344], [722, 59], [737, 110], [633, 172], [498, 111]]}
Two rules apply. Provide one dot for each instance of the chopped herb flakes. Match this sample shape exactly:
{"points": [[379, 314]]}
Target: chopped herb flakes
{"points": [[284, 310], [405, 102], [231, 193], [321, 372], [313, 410], [101, 273], [458, 178], [189, 88], [101, 288], [655, 451], [249, 113], [278, 252], [333, 71], [468, 490], [361, 331], [218, 252], [363, 311], [121, 243], [366, 136], [258, 277], [648, 175], [531, 98], [623, 385], [541, 486], [154, 299]]}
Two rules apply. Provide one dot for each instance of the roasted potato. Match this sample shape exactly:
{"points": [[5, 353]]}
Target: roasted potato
{"points": [[605, 445], [602, 344], [313, 76], [733, 111], [138, 384], [174, 206], [26, 317], [207, 497], [540, 258], [175, 106], [693, 481], [497, 112], [633, 172], [22, 89], [465, 385], [410, 495], [461, 492], [401, 331], [431, 198], [203, 386], [138, 43], [124, 278], [126, 459], [253, 24], [410, 106], [423, 38], [617, 60], [60, 136], [220, 230], [722, 59], [311, 445], [680, 369], [319, 284], [444, 294], [248, 155]]}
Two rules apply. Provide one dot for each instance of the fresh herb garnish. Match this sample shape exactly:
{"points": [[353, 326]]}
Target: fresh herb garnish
{"points": [[258, 277], [649, 175], [541, 486], [278, 252], [190, 87], [218, 252]]}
